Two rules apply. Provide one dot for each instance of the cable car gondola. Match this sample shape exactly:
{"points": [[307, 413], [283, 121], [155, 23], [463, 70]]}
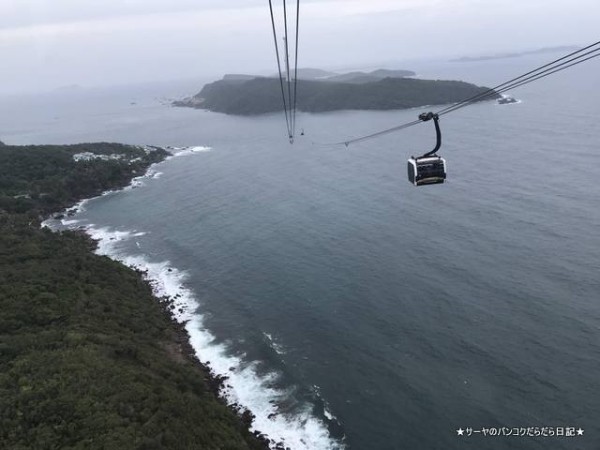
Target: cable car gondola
{"points": [[429, 168]]}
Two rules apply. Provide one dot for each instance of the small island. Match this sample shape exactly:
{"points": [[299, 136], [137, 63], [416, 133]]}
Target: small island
{"points": [[506, 55], [248, 95]]}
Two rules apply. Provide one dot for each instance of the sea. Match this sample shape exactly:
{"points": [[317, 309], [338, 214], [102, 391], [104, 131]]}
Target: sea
{"points": [[347, 308]]}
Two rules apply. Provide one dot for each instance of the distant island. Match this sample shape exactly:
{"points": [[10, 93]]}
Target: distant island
{"points": [[322, 91], [324, 75], [539, 51]]}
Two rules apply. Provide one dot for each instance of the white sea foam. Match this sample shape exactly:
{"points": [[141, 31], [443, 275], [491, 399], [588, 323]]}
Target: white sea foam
{"points": [[79, 207], [51, 222], [507, 97], [68, 223], [152, 173], [244, 386], [274, 344], [165, 280], [328, 414], [326, 411], [184, 151]]}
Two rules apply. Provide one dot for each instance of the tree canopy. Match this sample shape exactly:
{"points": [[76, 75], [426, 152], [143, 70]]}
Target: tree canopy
{"points": [[263, 95], [89, 359]]}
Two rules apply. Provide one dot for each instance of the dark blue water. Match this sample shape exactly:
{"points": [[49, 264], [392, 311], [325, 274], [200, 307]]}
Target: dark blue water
{"points": [[404, 312]]}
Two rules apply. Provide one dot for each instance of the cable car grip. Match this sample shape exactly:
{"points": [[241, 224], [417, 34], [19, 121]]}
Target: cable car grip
{"points": [[425, 117]]}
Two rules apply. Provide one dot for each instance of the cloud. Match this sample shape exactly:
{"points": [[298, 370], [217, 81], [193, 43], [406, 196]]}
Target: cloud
{"points": [[20, 13], [35, 19], [206, 20], [112, 41]]}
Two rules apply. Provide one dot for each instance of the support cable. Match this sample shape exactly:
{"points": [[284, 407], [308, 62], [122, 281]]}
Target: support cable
{"points": [[287, 72], [296, 69], [521, 80], [597, 54], [379, 133], [285, 108]]}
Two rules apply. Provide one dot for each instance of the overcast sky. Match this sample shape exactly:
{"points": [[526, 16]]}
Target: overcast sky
{"points": [[51, 43]]}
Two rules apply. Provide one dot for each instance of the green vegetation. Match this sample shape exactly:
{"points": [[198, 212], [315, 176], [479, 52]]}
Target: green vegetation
{"points": [[47, 178], [263, 95], [367, 77], [88, 357]]}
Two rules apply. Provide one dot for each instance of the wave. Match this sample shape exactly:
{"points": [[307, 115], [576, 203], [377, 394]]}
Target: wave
{"points": [[184, 151], [326, 408], [506, 99], [69, 223], [243, 385], [277, 347], [151, 173]]}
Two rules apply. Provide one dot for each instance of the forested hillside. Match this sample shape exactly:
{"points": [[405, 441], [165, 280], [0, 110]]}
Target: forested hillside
{"points": [[263, 95], [46, 178], [89, 359]]}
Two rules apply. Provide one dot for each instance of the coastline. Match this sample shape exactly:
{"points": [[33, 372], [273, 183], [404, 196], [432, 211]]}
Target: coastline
{"points": [[180, 350], [194, 343]]}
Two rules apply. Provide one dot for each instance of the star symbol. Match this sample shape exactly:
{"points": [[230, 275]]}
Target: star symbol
{"points": [[460, 432], [580, 432]]}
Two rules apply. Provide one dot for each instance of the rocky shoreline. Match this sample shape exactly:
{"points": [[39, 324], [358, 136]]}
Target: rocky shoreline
{"points": [[180, 350], [75, 322]]}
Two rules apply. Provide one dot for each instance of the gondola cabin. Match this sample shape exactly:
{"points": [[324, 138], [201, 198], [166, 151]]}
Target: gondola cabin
{"points": [[426, 170]]}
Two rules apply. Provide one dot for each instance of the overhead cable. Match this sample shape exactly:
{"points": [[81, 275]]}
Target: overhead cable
{"points": [[526, 78], [296, 69], [285, 108], [287, 71]]}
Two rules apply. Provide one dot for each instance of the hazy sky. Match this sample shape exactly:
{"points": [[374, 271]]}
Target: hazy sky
{"points": [[50, 43]]}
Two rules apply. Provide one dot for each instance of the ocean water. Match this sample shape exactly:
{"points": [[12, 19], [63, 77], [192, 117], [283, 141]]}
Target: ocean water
{"points": [[348, 308]]}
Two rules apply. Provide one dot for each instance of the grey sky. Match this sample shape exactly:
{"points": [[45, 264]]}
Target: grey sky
{"points": [[49, 43]]}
